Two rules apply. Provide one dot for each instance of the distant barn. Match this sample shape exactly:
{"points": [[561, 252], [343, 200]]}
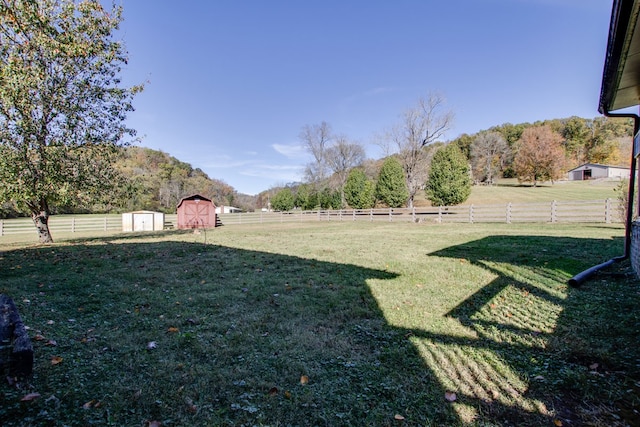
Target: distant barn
{"points": [[596, 171], [196, 212]]}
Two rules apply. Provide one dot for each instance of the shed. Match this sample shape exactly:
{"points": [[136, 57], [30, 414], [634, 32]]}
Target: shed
{"points": [[596, 171], [196, 212], [142, 221]]}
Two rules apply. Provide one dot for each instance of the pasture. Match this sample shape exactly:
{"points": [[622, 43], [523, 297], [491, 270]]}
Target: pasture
{"points": [[336, 324]]}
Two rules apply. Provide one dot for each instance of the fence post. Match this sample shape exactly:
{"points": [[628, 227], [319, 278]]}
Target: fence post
{"points": [[509, 213], [471, 214], [354, 214], [607, 210], [371, 214], [553, 211], [73, 225], [413, 214], [390, 215], [439, 214]]}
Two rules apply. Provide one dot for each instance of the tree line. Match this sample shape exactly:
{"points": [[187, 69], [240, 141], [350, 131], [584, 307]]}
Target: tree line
{"points": [[417, 159]]}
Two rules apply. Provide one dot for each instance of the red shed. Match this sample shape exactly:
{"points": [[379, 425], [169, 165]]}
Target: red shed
{"points": [[196, 212]]}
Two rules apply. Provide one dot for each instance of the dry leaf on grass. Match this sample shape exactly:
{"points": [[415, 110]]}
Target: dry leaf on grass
{"points": [[557, 423], [29, 397], [56, 360], [304, 380], [450, 396], [172, 329], [273, 391], [398, 417]]}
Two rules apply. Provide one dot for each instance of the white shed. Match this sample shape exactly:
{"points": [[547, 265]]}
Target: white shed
{"points": [[596, 171], [142, 221]]}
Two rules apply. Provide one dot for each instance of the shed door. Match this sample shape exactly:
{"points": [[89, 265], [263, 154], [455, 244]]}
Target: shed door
{"points": [[143, 222], [197, 214]]}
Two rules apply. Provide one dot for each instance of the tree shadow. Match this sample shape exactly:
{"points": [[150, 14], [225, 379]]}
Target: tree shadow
{"points": [[194, 334]]}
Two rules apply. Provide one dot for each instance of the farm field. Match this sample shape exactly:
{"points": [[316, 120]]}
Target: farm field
{"points": [[509, 190], [328, 324]]}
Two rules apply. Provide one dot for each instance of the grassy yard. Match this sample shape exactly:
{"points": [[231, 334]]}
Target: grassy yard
{"points": [[509, 190], [335, 324]]}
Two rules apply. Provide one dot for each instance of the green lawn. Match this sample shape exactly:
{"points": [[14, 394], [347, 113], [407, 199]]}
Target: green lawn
{"points": [[336, 324], [509, 190]]}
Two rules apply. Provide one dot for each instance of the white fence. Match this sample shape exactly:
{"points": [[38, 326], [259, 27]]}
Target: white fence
{"points": [[590, 211], [602, 211]]}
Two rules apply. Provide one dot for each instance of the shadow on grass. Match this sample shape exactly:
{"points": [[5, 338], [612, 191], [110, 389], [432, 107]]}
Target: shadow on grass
{"points": [[538, 348], [193, 334]]}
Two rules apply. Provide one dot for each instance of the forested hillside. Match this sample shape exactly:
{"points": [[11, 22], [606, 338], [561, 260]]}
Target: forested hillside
{"points": [[157, 181]]}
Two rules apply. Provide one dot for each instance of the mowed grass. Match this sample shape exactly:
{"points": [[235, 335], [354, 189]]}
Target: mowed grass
{"points": [[333, 324], [511, 191]]}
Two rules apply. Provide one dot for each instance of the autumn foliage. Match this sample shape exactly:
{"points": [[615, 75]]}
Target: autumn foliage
{"points": [[540, 156]]}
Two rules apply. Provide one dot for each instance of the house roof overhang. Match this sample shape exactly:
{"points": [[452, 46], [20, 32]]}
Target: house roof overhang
{"points": [[621, 76]]}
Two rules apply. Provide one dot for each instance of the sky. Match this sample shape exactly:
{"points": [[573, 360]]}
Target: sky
{"points": [[231, 83]]}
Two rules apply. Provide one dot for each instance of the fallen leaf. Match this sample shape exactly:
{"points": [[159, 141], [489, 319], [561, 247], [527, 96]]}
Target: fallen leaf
{"points": [[51, 343], [304, 379], [557, 423], [593, 366], [39, 337], [287, 394], [88, 405], [29, 397], [56, 360], [398, 417], [450, 396], [173, 329], [273, 391]]}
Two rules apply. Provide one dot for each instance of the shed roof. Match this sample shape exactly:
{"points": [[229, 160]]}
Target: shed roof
{"points": [[620, 78], [194, 197]]}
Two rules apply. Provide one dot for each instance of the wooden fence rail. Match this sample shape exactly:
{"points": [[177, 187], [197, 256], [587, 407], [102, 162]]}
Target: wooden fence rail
{"points": [[590, 211]]}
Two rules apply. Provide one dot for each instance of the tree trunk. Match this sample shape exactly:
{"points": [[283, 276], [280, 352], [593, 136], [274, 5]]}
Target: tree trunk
{"points": [[41, 221]]}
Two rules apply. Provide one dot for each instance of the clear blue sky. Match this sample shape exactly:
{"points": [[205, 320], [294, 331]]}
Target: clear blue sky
{"points": [[232, 82]]}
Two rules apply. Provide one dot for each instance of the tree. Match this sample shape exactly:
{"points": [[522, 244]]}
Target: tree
{"points": [[329, 199], [420, 126], [62, 104], [489, 151], [391, 187], [449, 183], [341, 157], [539, 155], [316, 139], [283, 200], [306, 197], [359, 190]]}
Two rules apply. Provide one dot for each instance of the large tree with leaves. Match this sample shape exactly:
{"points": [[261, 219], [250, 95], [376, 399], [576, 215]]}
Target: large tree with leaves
{"points": [[449, 182], [539, 156], [359, 191], [62, 104], [391, 187]]}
